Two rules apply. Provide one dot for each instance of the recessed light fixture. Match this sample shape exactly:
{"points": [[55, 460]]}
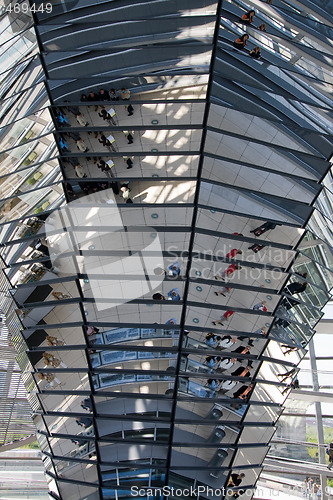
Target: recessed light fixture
{"points": [[267, 280], [153, 235], [213, 211], [267, 324], [199, 288], [154, 150], [154, 216], [198, 273], [195, 320], [268, 297], [154, 175], [86, 280], [154, 122], [91, 247]]}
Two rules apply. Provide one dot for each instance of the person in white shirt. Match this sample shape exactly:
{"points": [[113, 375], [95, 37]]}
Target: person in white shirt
{"points": [[226, 363]]}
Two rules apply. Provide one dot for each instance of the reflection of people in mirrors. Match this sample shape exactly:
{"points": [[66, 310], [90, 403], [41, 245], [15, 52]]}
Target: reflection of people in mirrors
{"points": [[125, 94], [226, 364], [50, 360], [212, 361], [242, 349], [48, 377], [227, 341], [86, 404], [248, 17], [255, 53], [84, 422], [287, 374], [241, 372], [294, 385], [174, 269], [213, 383], [228, 314], [54, 341], [243, 392], [174, 294], [79, 442], [262, 27], [91, 330], [212, 340], [262, 331], [296, 286], [267, 226], [171, 321], [330, 455], [289, 349], [60, 296], [256, 248], [240, 42], [233, 253], [226, 317], [158, 296], [289, 303], [261, 306], [223, 290], [228, 272], [235, 480]]}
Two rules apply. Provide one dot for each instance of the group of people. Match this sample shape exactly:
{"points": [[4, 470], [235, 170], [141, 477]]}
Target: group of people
{"points": [[311, 490], [287, 303], [171, 271], [219, 364], [105, 95], [240, 42], [103, 108], [172, 295], [223, 386]]}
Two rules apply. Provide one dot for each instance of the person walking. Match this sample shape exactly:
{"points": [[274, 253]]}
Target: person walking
{"points": [[233, 253], [81, 145], [226, 316], [228, 272], [130, 110], [107, 116], [261, 306], [330, 455], [267, 226], [128, 161], [54, 341], [223, 291], [48, 377], [50, 360]]}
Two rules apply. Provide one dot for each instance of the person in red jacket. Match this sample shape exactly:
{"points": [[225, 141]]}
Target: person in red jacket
{"points": [[228, 272], [241, 42], [227, 315], [261, 306], [233, 253], [248, 17]]}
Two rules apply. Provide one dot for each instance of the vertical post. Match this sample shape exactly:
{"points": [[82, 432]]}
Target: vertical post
{"points": [[319, 418]]}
